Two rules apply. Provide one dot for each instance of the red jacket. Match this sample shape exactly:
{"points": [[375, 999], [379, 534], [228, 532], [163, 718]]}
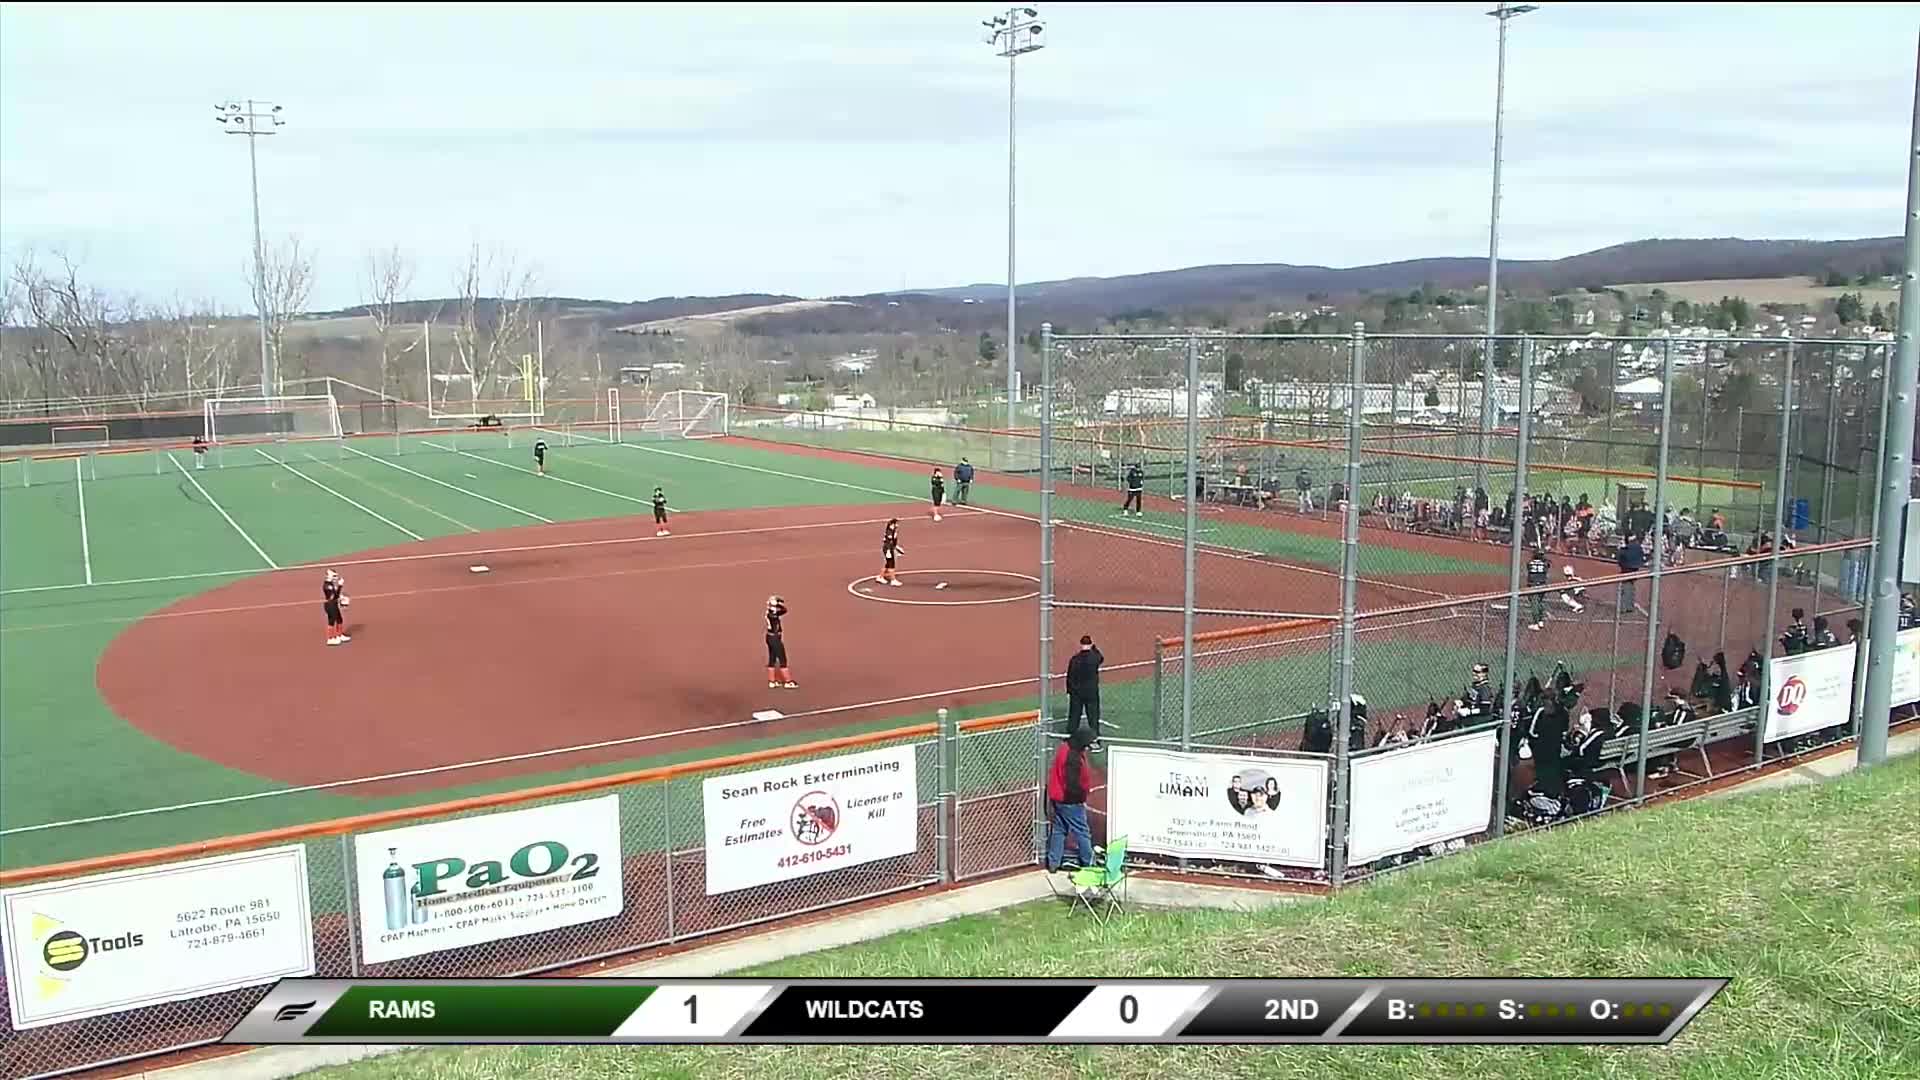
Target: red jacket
{"points": [[1057, 777]]}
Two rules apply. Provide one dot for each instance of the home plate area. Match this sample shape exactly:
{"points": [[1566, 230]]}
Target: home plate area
{"points": [[948, 588]]}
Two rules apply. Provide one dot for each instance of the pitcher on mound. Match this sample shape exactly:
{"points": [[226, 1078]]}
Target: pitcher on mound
{"points": [[890, 552]]}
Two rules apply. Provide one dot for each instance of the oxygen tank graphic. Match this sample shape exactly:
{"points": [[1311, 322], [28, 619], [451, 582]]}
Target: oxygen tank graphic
{"points": [[394, 884], [415, 908]]}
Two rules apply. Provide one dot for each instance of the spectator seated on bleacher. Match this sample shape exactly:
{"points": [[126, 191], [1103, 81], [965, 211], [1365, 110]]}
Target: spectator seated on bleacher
{"points": [[1586, 742], [1685, 529], [1678, 711]]}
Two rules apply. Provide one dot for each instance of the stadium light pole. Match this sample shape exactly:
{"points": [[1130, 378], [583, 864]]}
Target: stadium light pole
{"points": [[1895, 478], [254, 119], [1504, 13], [1015, 33]]}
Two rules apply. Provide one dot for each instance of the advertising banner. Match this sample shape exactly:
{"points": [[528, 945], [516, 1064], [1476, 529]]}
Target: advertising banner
{"points": [[1212, 806], [1811, 691], [112, 942], [789, 821], [1426, 794], [450, 884]]}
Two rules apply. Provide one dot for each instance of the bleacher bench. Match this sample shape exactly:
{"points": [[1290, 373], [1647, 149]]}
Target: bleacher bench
{"points": [[1694, 735]]}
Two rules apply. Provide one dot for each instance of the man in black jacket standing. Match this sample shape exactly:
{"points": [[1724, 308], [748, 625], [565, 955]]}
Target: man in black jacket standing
{"points": [[962, 482], [1083, 689]]}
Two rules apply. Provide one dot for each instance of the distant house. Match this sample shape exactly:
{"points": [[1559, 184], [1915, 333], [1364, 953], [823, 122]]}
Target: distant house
{"points": [[1640, 393], [851, 402]]}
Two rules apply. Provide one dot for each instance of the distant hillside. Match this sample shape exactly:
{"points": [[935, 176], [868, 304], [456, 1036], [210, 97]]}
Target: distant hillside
{"points": [[607, 312], [1641, 260], [1081, 303]]}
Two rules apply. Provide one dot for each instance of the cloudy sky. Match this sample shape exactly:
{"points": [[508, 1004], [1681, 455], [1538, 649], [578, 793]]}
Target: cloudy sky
{"points": [[637, 151]]}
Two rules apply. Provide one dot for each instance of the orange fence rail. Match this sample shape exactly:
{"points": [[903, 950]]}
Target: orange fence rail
{"points": [[377, 819], [1238, 632]]}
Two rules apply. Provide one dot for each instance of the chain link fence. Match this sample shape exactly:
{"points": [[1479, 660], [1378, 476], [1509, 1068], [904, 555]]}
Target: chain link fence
{"points": [[1601, 556], [974, 789]]}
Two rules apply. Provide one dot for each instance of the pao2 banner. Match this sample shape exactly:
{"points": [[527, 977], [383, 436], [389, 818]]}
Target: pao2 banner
{"points": [[794, 820], [468, 881], [1214, 806], [1426, 794], [113, 942]]}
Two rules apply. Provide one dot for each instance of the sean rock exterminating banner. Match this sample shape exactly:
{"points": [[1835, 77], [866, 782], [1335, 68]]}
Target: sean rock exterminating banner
{"points": [[795, 820]]}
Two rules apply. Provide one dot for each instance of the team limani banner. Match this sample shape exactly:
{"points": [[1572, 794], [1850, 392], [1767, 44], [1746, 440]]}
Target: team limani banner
{"points": [[1426, 794], [790, 821], [112, 942], [451, 884], [1214, 806]]}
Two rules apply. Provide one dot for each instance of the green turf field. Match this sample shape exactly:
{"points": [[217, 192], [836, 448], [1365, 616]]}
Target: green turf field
{"points": [[1803, 897], [90, 545]]}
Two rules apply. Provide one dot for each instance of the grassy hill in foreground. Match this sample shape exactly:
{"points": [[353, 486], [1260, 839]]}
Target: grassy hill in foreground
{"points": [[1808, 898]]}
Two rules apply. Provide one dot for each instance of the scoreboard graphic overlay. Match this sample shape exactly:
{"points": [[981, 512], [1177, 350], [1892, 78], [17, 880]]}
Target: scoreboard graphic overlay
{"points": [[744, 1011]]}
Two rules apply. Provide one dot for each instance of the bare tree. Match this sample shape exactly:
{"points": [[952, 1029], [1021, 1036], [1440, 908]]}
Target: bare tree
{"points": [[729, 362], [77, 347], [495, 318], [388, 278], [289, 282]]}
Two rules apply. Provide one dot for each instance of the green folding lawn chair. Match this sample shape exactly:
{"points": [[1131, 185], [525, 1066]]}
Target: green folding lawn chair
{"points": [[1105, 882]]}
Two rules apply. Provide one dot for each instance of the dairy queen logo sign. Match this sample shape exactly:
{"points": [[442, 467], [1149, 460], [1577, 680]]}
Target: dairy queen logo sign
{"points": [[1793, 694]]}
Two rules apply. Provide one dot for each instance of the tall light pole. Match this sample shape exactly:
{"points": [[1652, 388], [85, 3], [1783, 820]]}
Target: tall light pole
{"points": [[1015, 33], [1504, 13], [254, 119], [1896, 478]]}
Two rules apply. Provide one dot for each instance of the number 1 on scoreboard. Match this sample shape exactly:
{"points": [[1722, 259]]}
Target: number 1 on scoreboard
{"points": [[694, 1011]]}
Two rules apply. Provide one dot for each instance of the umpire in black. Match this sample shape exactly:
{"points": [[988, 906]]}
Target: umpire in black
{"points": [[1083, 688]]}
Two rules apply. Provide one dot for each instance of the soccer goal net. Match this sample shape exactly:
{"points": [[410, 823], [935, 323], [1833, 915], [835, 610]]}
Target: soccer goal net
{"points": [[687, 414], [81, 436], [296, 417]]}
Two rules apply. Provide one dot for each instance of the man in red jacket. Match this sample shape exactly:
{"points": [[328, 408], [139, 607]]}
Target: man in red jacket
{"points": [[1068, 782]]}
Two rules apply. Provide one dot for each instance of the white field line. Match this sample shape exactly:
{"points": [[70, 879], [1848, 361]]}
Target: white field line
{"points": [[264, 557], [772, 472], [389, 492], [648, 503], [632, 740], [557, 545], [450, 487], [376, 515], [86, 546], [469, 586]]}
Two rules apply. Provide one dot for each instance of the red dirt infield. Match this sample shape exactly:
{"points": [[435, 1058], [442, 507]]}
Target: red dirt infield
{"points": [[590, 632]]}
